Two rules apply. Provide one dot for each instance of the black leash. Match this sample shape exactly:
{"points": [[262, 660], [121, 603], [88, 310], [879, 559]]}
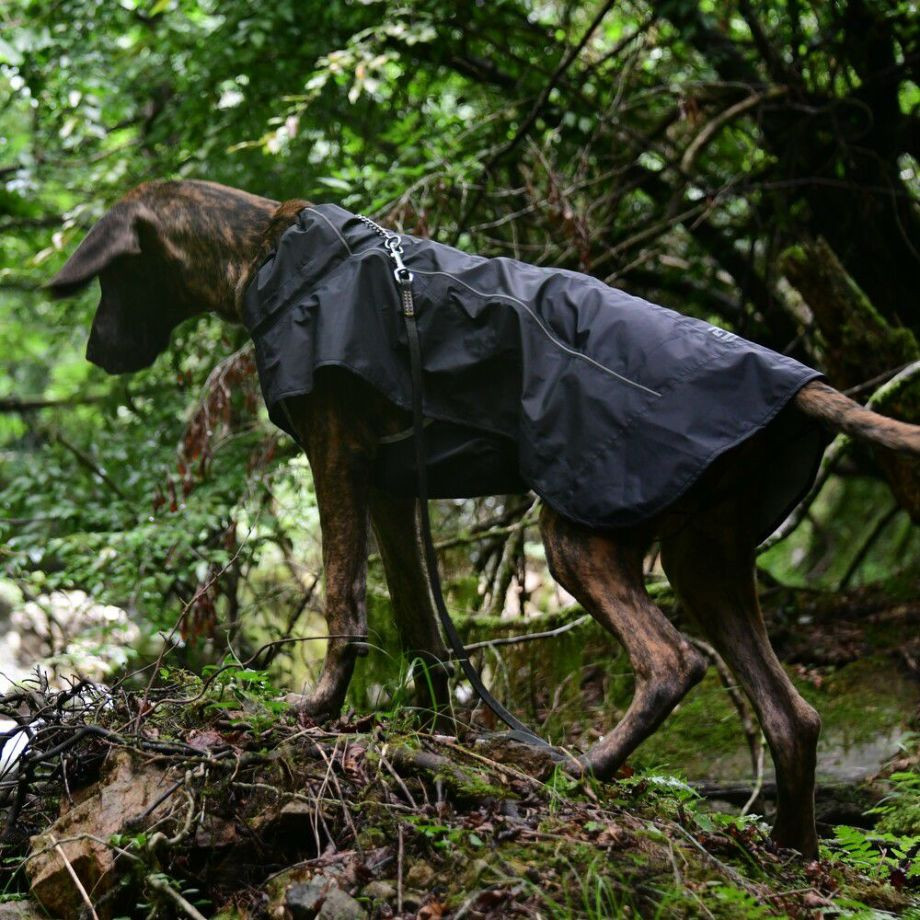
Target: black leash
{"points": [[393, 245]]}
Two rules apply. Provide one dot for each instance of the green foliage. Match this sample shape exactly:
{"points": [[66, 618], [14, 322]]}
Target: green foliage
{"points": [[877, 853], [900, 810], [247, 695]]}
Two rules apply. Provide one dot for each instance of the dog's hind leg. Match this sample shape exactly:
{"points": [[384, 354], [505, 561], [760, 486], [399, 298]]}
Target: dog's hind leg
{"points": [[711, 566], [604, 573], [396, 528]]}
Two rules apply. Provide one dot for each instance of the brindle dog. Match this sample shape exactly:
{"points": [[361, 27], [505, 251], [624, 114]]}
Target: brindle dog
{"points": [[169, 250]]}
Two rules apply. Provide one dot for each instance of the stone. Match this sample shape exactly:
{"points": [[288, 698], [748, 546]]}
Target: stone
{"points": [[304, 899], [340, 906], [122, 796], [20, 910], [413, 900], [321, 899], [420, 875], [379, 891]]}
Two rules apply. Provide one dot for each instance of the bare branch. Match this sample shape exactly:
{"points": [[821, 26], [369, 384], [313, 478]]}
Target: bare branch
{"points": [[529, 637], [712, 128]]}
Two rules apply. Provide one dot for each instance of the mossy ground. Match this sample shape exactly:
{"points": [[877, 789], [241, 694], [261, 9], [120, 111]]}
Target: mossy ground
{"points": [[411, 823], [416, 824]]}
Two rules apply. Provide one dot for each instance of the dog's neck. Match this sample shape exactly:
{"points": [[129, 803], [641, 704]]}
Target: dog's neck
{"points": [[283, 216]]}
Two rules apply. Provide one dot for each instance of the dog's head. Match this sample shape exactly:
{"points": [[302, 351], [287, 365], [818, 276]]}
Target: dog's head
{"points": [[166, 251]]}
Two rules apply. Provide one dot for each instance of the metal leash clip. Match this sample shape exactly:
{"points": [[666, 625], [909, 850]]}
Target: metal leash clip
{"points": [[394, 247], [392, 242]]}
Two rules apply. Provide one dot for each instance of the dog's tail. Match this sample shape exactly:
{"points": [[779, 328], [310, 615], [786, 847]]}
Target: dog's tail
{"points": [[843, 414]]}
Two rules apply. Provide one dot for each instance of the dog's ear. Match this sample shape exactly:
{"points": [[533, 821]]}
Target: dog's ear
{"points": [[118, 233]]}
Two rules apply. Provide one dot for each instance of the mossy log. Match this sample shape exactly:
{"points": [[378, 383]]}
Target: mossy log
{"points": [[858, 346]]}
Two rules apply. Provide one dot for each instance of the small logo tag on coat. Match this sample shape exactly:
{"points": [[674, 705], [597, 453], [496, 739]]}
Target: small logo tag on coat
{"points": [[722, 334]]}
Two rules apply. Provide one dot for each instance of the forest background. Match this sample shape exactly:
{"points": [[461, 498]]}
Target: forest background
{"points": [[755, 163]]}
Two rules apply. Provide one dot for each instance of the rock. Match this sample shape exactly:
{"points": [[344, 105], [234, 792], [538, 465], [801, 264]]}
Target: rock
{"points": [[379, 891], [412, 900], [304, 899], [125, 792], [321, 899], [215, 832], [20, 910], [420, 875], [340, 906], [287, 827]]}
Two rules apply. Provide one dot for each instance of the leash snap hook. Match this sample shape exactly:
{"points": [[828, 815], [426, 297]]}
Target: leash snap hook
{"points": [[393, 245], [402, 274]]}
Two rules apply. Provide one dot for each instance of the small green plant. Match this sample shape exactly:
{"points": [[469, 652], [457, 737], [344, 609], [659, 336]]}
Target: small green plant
{"points": [[877, 854], [442, 836], [235, 687], [900, 809], [736, 902]]}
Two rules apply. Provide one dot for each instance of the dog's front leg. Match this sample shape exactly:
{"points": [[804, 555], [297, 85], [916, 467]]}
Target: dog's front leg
{"points": [[396, 527], [341, 467]]}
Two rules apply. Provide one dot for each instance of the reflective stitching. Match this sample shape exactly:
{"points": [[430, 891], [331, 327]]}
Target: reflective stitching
{"points": [[546, 332], [335, 229]]}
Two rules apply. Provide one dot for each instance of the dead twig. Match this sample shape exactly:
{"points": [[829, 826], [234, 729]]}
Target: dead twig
{"points": [[525, 126], [752, 732], [76, 879], [399, 780], [90, 464], [758, 780], [712, 128], [346, 814], [727, 870], [529, 637], [400, 853]]}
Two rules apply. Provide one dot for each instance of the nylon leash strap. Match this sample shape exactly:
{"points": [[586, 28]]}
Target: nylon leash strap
{"points": [[393, 245]]}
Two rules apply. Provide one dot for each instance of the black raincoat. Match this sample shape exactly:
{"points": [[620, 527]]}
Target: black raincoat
{"points": [[608, 406]]}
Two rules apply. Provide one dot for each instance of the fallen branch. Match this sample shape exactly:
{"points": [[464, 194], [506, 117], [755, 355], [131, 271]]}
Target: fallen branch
{"points": [[36, 404], [413, 761], [477, 536], [481, 622]]}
